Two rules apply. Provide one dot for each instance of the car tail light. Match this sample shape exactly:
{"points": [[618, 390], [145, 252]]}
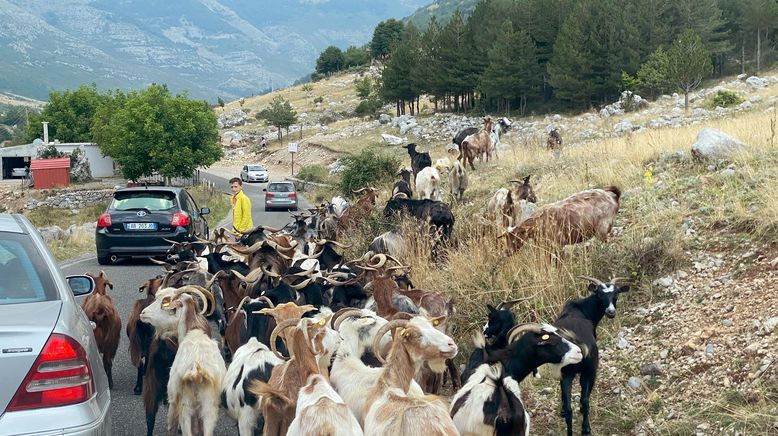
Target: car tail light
{"points": [[269, 195], [60, 376], [180, 219], [104, 220], [292, 195]]}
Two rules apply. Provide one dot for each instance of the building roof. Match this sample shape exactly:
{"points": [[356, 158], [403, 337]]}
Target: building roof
{"points": [[46, 164]]}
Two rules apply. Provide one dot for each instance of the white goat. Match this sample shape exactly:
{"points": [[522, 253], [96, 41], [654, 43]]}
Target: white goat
{"points": [[321, 411], [252, 361], [428, 184], [196, 374], [339, 205], [457, 180]]}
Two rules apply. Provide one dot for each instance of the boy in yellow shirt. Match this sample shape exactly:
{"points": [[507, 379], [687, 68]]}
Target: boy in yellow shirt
{"points": [[241, 207]]}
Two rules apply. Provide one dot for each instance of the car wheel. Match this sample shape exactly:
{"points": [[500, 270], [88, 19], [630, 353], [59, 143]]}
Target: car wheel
{"points": [[104, 260]]}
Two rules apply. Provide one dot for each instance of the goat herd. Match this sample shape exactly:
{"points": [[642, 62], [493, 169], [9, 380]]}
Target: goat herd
{"points": [[321, 345]]}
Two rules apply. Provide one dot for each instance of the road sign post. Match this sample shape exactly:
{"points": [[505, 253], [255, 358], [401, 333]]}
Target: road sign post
{"points": [[292, 146]]}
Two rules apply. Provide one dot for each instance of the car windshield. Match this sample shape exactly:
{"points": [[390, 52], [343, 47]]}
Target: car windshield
{"points": [[280, 187], [256, 168], [149, 200], [24, 273]]}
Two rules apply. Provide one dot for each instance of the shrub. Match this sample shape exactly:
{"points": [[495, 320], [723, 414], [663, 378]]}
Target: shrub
{"points": [[370, 106], [314, 173], [370, 167], [726, 98], [307, 87], [318, 99], [364, 87]]}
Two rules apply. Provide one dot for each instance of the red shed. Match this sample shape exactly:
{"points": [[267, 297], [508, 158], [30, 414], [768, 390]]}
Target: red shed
{"points": [[50, 173]]}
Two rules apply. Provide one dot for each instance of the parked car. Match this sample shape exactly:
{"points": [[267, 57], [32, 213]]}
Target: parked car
{"points": [[53, 376], [20, 172], [280, 195], [254, 173], [142, 221]]}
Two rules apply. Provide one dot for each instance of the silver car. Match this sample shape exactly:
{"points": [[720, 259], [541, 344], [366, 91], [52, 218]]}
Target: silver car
{"points": [[280, 195], [53, 376], [254, 173]]}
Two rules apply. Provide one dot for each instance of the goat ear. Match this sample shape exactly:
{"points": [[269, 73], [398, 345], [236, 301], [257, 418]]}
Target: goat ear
{"points": [[110, 284], [623, 289], [592, 287], [526, 180], [491, 308]]}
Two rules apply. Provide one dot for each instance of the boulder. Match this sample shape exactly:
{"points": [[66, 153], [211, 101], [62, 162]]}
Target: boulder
{"points": [[623, 126], [235, 117], [756, 82], [391, 139], [384, 119], [713, 143]]}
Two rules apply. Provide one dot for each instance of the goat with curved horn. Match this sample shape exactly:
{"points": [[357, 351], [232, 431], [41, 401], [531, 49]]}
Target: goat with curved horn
{"points": [[194, 291], [301, 285], [391, 325], [266, 300], [253, 276], [520, 329], [274, 335], [341, 315]]}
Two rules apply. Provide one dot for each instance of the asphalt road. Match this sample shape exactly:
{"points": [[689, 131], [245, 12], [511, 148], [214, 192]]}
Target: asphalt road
{"points": [[127, 409]]}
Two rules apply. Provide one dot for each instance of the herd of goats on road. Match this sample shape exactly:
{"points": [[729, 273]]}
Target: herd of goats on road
{"points": [[321, 345]]}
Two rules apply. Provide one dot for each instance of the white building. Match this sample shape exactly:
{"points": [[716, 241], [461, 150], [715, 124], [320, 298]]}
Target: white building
{"points": [[20, 156]]}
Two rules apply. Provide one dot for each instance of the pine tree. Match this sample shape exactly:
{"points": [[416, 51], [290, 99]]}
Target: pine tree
{"points": [[688, 62], [758, 19]]}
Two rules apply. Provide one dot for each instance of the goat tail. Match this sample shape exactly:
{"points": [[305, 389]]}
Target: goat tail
{"points": [[615, 190], [274, 396], [196, 375]]}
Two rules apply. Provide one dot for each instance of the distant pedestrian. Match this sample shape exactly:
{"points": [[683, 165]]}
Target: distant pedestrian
{"points": [[263, 144], [241, 208]]}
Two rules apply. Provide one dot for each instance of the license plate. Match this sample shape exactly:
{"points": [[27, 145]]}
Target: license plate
{"points": [[141, 226]]}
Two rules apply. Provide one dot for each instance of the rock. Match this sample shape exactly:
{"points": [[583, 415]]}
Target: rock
{"points": [[709, 349], [622, 344], [742, 76], [728, 172], [52, 233], [634, 382], [336, 167], [664, 282], [746, 105], [770, 324], [755, 98], [727, 322], [236, 117], [651, 369], [391, 139], [623, 126], [384, 119], [756, 82], [546, 391], [664, 353], [676, 112], [713, 143]]}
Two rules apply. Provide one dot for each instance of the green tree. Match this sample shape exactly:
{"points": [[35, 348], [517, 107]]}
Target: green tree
{"points": [[653, 75], [220, 102], [69, 114], [280, 114], [705, 18], [151, 129], [385, 36], [688, 62], [397, 82], [758, 19], [364, 87], [597, 42], [330, 60], [355, 56]]}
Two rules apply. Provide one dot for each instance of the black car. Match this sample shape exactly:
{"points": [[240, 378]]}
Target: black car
{"points": [[140, 220]]}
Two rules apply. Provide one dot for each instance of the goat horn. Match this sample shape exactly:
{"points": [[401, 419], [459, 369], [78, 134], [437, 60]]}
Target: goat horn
{"points": [[267, 300], [508, 305], [270, 229], [301, 285], [158, 262], [253, 276], [274, 335], [381, 261], [209, 296], [338, 244], [520, 329], [192, 290], [307, 272], [342, 315], [380, 334], [240, 306], [172, 242], [249, 250], [358, 191], [337, 282], [215, 277], [591, 279], [269, 273], [403, 315], [615, 280]]}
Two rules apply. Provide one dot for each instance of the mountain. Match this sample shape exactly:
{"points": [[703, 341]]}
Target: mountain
{"points": [[442, 10], [227, 48]]}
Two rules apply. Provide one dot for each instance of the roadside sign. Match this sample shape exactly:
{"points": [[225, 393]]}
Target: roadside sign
{"points": [[292, 147]]}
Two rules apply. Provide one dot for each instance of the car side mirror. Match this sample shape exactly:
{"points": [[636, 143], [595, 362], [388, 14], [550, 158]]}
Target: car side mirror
{"points": [[205, 211], [81, 285]]}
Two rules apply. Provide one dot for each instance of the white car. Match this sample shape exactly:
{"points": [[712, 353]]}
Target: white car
{"points": [[19, 172], [254, 173]]}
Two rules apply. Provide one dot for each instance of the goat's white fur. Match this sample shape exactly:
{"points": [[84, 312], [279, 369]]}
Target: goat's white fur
{"points": [[428, 184], [322, 410]]}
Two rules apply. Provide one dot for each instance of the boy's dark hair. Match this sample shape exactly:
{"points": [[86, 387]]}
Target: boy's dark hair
{"points": [[236, 180]]}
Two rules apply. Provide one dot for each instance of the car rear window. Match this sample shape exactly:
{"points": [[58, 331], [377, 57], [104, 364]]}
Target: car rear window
{"points": [[25, 276], [256, 168], [149, 200], [281, 187]]}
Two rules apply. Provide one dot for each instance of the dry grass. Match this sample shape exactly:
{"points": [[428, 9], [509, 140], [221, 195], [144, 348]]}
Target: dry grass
{"points": [[77, 245]]}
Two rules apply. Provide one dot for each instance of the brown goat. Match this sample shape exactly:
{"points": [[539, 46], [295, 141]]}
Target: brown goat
{"points": [[358, 211], [139, 333], [99, 308], [570, 221], [101, 282], [478, 144]]}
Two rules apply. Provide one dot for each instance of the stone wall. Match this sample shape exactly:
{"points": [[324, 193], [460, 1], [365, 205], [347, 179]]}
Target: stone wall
{"points": [[72, 199]]}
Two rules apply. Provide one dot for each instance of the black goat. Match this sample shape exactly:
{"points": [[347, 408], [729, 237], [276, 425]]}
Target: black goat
{"points": [[580, 318], [493, 389], [500, 321], [403, 186], [326, 252], [464, 133], [437, 213], [419, 161]]}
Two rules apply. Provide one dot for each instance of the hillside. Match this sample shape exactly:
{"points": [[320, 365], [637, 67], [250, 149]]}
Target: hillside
{"points": [[442, 10], [693, 346], [213, 48]]}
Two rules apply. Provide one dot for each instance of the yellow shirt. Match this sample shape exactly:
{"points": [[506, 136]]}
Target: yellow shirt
{"points": [[241, 212]]}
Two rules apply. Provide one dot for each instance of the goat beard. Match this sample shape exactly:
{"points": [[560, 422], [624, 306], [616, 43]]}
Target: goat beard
{"points": [[438, 366]]}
